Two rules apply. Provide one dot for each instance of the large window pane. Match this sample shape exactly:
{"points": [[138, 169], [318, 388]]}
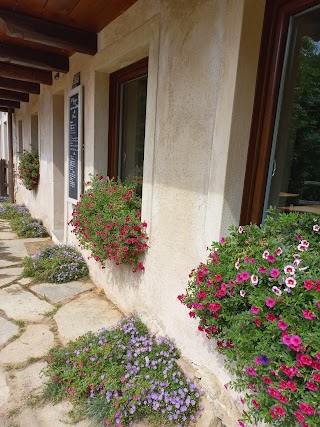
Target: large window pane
{"points": [[132, 128], [294, 172]]}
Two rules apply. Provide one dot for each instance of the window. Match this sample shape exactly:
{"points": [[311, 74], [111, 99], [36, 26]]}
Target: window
{"points": [[127, 116], [283, 167], [34, 133]]}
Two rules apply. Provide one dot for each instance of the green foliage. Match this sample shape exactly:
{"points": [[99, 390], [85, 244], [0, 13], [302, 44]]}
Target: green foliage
{"points": [[258, 296], [56, 264], [29, 169], [9, 211], [122, 374], [107, 222], [26, 226]]}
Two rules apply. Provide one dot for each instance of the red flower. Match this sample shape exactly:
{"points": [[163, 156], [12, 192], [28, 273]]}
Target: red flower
{"points": [[306, 408]]}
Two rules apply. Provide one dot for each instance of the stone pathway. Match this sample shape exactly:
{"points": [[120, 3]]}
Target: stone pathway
{"points": [[33, 319]]}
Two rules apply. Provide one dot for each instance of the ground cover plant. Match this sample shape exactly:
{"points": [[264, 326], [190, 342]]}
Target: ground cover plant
{"points": [[4, 199], [107, 222], [29, 169], [258, 297], [26, 226], [122, 374], [9, 211], [56, 264]]}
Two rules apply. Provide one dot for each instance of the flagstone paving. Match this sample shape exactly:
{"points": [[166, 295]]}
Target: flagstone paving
{"points": [[33, 319]]}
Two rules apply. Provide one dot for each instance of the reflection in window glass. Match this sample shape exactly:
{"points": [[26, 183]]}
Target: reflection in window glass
{"points": [[294, 173], [132, 129]]}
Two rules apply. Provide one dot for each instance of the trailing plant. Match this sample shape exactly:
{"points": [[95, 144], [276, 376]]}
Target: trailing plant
{"points": [[56, 264], [122, 374], [26, 226], [29, 169], [258, 296], [107, 221]]}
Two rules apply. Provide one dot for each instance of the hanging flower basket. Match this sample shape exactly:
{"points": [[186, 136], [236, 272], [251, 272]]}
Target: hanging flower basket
{"points": [[29, 169]]}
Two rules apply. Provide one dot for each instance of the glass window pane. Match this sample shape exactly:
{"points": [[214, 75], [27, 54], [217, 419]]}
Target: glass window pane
{"points": [[132, 128], [294, 172]]}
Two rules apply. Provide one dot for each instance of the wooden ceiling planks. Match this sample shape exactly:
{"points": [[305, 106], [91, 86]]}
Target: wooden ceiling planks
{"points": [[38, 36]]}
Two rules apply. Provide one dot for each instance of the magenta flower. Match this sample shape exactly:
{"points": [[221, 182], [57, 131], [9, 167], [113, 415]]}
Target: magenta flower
{"points": [[274, 272], [270, 302], [282, 325], [262, 270], [307, 314], [255, 310]]}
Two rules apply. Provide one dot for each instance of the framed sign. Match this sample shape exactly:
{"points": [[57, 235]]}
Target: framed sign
{"points": [[75, 144]]}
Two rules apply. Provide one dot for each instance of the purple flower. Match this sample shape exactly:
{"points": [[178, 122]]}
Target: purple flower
{"points": [[264, 359]]}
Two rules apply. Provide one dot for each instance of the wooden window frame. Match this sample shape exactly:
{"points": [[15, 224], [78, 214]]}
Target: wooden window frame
{"points": [[132, 71], [272, 51]]}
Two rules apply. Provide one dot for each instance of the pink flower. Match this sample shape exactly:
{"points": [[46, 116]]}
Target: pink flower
{"points": [[312, 386], [267, 380], [222, 240], [257, 360], [265, 254], [289, 269], [254, 279], [271, 317], [286, 339], [251, 371], [271, 258], [256, 404], [280, 411], [245, 275], [242, 292], [270, 302], [237, 265], [295, 340], [241, 424], [291, 282], [306, 408], [262, 270], [307, 314], [282, 325], [278, 252], [316, 377], [302, 248], [240, 229], [316, 227], [274, 272], [276, 290], [214, 307], [255, 310], [299, 416]]}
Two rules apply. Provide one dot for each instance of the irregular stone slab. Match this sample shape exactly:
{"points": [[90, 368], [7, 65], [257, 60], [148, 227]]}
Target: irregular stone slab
{"points": [[4, 388], [29, 380], [22, 305], [6, 263], [7, 235], [24, 281], [13, 250], [49, 416], [7, 330], [87, 313], [7, 275], [60, 292], [36, 341]]}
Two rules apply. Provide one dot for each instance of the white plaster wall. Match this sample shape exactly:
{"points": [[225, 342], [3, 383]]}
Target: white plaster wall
{"points": [[203, 58]]}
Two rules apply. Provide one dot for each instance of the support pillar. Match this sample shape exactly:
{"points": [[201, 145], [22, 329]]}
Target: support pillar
{"points": [[10, 166]]}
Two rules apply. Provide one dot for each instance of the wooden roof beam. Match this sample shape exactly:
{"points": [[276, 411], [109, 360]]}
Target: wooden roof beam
{"points": [[9, 104], [13, 95], [28, 74], [20, 85], [35, 58], [48, 33], [4, 109]]}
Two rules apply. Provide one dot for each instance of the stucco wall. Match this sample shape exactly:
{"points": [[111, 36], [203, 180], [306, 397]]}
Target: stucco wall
{"points": [[203, 58]]}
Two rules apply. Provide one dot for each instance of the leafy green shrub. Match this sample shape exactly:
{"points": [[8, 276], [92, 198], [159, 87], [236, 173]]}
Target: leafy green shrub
{"points": [[29, 169], [107, 222], [123, 374], [26, 226], [56, 264], [8, 211], [258, 296]]}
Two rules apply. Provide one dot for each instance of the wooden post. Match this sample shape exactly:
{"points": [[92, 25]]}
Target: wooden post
{"points": [[10, 143]]}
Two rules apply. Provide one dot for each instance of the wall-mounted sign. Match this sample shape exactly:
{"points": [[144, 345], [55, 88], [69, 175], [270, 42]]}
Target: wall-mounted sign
{"points": [[76, 80], [75, 145]]}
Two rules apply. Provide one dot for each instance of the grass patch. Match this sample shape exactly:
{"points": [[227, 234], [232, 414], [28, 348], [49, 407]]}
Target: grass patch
{"points": [[14, 411], [56, 264], [51, 313], [20, 323], [121, 375]]}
